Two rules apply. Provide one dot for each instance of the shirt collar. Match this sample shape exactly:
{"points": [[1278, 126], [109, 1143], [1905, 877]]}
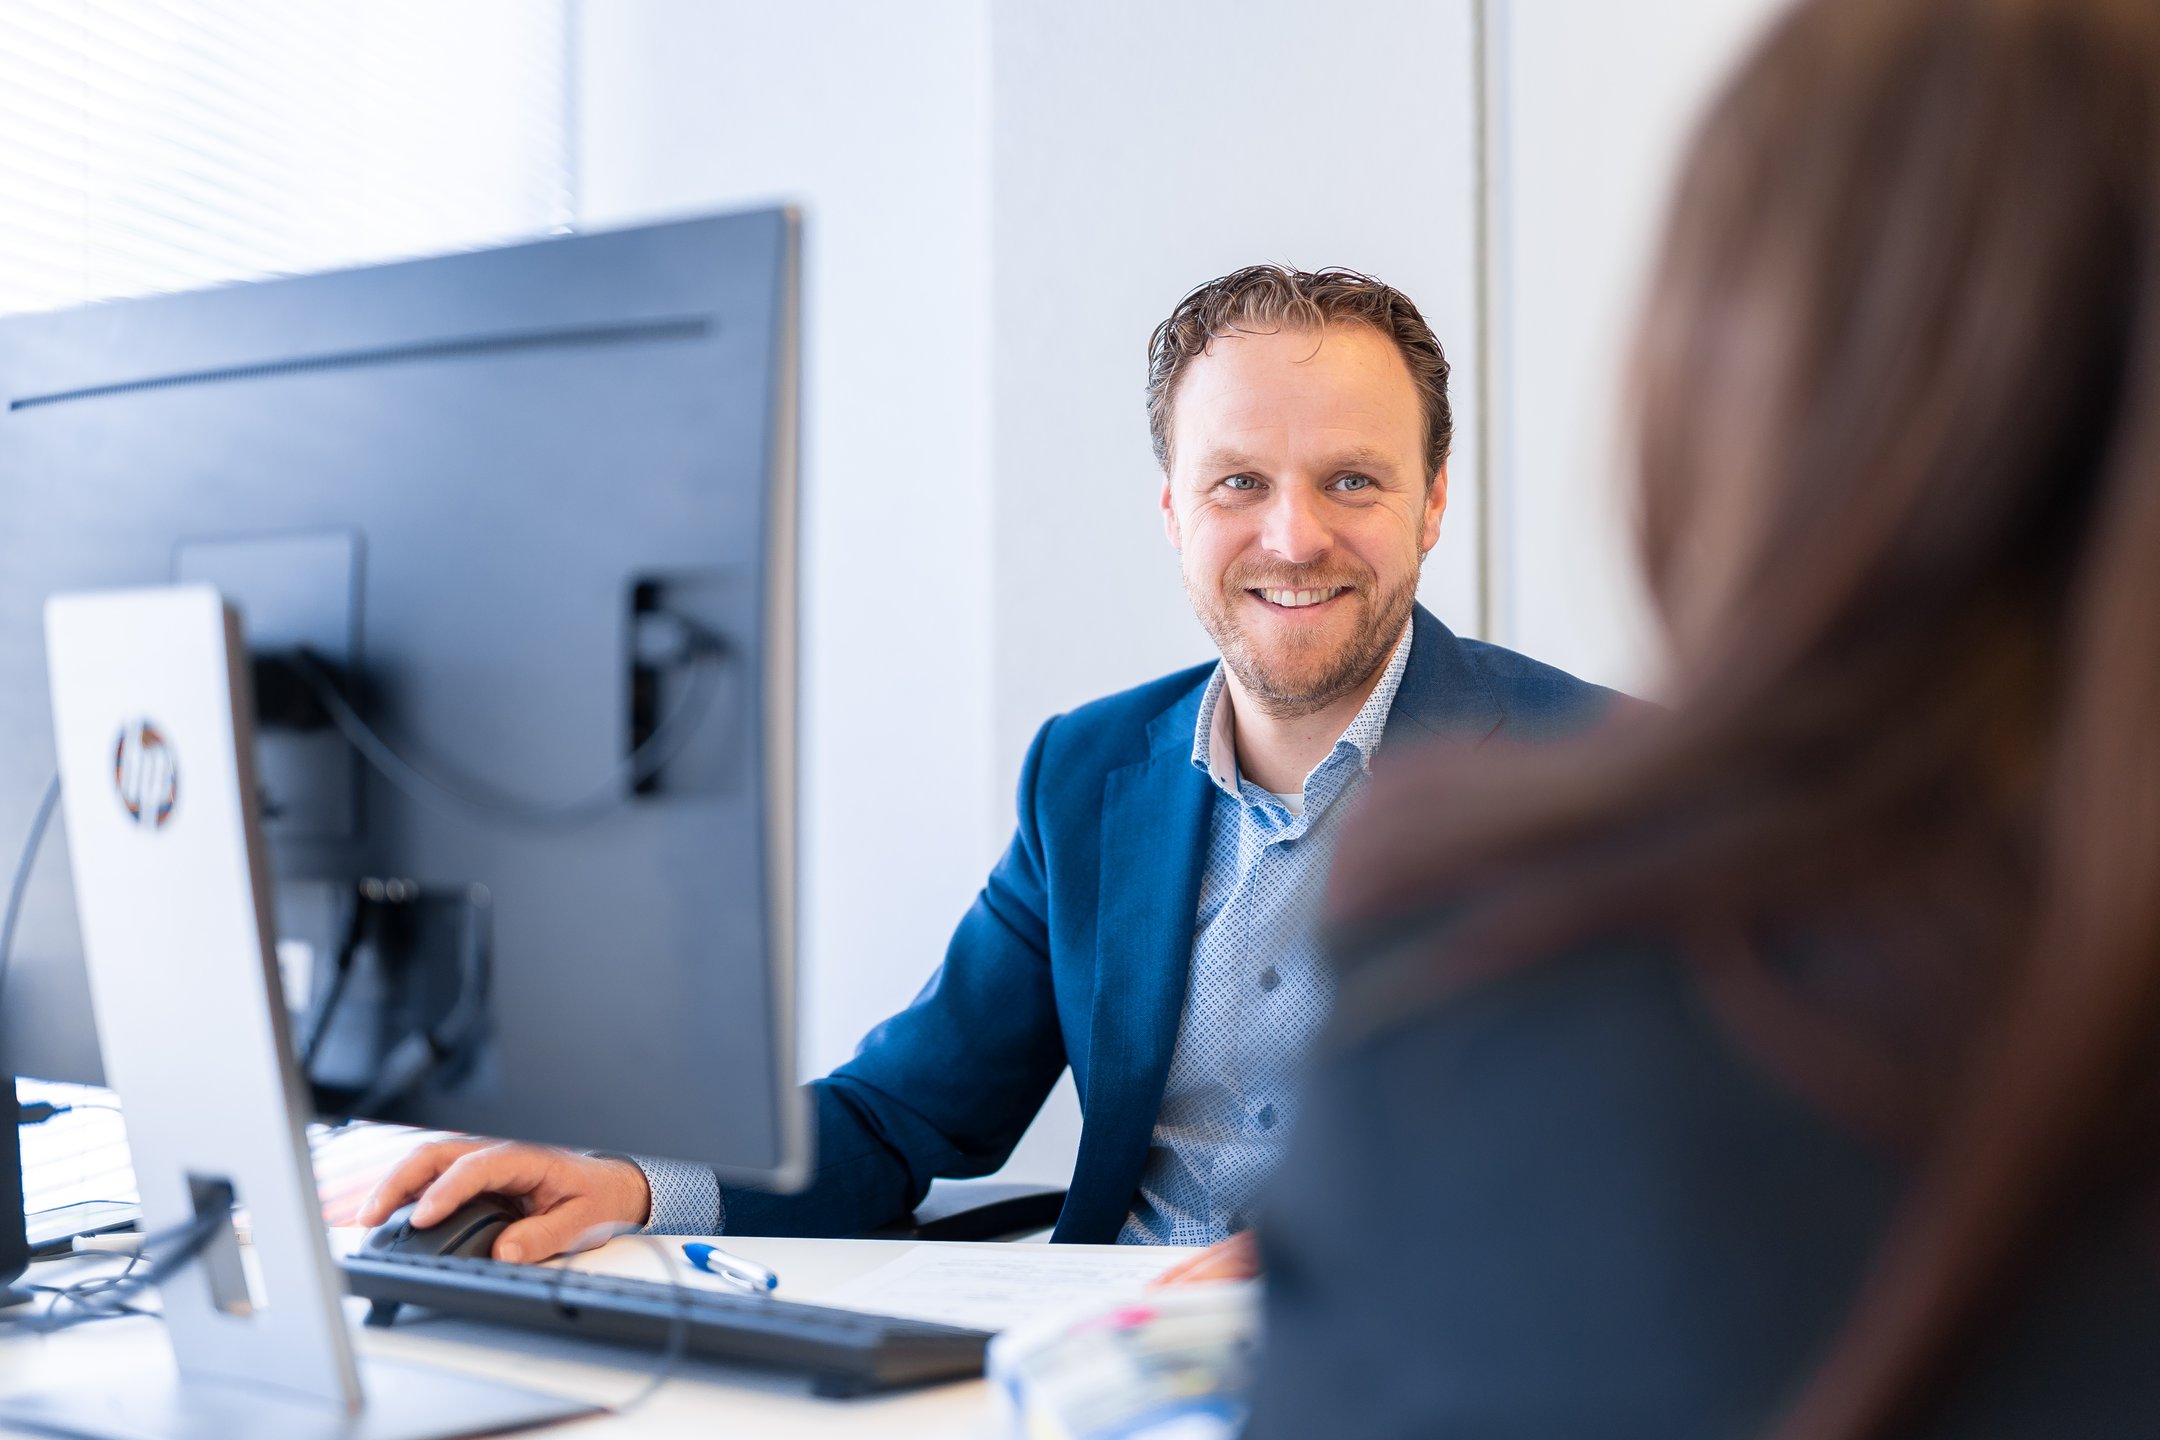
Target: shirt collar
{"points": [[1214, 751]]}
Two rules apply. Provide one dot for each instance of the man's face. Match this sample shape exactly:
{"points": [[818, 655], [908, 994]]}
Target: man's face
{"points": [[1298, 501]]}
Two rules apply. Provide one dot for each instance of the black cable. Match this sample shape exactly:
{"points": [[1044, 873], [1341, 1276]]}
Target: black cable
{"points": [[71, 1204], [38, 1112], [97, 1295], [678, 1344], [114, 1312], [678, 1341], [428, 1048], [347, 950], [104, 1297], [474, 799], [21, 882]]}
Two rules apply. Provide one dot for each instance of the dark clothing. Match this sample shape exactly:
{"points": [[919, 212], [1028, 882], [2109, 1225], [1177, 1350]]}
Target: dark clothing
{"points": [[1563, 1205]]}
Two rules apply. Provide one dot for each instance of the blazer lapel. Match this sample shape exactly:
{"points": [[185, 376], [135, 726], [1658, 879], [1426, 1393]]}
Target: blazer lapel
{"points": [[1154, 844], [1443, 696], [1154, 847]]}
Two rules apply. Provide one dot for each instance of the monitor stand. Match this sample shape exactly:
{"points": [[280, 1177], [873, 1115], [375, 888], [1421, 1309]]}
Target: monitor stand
{"points": [[172, 892], [404, 1402], [14, 1224]]}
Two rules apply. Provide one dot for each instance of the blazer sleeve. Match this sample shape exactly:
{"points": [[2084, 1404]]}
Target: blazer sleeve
{"points": [[947, 1086]]}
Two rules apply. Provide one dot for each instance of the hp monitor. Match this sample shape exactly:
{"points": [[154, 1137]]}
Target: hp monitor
{"points": [[513, 538]]}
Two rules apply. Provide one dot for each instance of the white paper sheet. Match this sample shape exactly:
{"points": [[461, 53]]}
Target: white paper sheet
{"points": [[998, 1287]]}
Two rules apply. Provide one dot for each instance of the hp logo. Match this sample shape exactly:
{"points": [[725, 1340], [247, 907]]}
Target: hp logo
{"points": [[146, 774]]}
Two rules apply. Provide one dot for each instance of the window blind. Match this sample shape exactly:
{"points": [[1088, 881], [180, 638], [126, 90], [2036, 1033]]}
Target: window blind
{"points": [[151, 145]]}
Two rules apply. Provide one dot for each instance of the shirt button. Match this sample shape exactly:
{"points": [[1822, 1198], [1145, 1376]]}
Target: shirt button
{"points": [[1266, 1117], [1269, 979]]}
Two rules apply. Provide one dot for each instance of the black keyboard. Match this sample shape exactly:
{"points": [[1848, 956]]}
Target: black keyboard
{"points": [[845, 1352]]}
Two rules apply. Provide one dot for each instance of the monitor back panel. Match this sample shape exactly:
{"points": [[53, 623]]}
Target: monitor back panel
{"points": [[465, 471]]}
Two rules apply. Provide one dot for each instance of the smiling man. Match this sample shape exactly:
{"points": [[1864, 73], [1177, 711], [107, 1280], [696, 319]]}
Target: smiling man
{"points": [[1152, 925]]}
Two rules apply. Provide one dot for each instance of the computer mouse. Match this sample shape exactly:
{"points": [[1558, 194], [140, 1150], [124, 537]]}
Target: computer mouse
{"points": [[468, 1230]]}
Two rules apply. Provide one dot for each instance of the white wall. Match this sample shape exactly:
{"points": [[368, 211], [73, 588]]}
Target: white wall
{"points": [[1591, 104], [874, 118], [1140, 148], [1004, 198]]}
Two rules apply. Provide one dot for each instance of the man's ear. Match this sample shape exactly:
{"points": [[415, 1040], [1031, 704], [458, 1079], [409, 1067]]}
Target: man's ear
{"points": [[1435, 507], [1169, 516]]}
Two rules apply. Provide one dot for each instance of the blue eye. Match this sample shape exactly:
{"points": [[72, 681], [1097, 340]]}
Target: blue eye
{"points": [[1355, 482], [1242, 482]]}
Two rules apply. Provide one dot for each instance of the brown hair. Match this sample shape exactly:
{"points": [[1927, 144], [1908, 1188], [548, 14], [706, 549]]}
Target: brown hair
{"points": [[1262, 299], [1898, 434]]}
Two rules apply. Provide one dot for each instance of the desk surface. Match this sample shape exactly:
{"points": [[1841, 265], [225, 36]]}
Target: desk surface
{"points": [[702, 1399]]}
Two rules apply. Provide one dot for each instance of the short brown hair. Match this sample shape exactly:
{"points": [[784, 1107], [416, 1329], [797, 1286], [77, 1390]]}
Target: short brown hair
{"points": [[1263, 299]]}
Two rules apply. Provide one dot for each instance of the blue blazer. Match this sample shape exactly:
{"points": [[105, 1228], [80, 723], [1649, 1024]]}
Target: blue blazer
{"points": [[1075, 952]]}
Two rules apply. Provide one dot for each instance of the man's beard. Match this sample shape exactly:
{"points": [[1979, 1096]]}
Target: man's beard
{"points": [[1293, 684]]}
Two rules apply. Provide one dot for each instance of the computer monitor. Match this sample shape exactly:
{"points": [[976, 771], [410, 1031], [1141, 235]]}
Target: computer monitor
{"points": [[532, 513]]}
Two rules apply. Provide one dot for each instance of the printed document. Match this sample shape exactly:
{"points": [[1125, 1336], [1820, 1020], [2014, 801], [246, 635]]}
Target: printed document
{"points": [[995, 1287]]}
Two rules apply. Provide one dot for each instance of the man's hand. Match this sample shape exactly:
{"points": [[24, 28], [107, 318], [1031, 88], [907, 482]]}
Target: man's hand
{"points": [[1237, 1258], [571, 1201]]}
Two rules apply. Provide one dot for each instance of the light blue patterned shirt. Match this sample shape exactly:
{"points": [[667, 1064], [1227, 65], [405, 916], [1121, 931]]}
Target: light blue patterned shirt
{"points": [[1256, 996], [1259, 990]]}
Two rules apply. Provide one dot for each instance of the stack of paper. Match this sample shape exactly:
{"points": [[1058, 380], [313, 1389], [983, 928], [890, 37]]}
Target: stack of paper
{"points": [[1174, 1366]]}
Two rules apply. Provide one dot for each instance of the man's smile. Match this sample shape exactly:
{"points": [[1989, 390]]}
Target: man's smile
{"points": [[1299, 599]]}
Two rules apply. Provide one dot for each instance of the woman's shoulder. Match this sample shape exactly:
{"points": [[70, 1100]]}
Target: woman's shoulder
{"points": [[1564, 1195]]}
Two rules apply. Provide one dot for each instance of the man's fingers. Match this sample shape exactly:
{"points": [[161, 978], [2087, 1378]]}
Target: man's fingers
{"points": [[1217, 1267], [1179, 1271], [412, 1176], [1237, 1258], [1201, 1270], [573, 1225], [503, 1169]]}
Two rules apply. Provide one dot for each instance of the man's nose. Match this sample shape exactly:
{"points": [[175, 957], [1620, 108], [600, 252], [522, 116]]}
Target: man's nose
{"points": [[1295, 527]]}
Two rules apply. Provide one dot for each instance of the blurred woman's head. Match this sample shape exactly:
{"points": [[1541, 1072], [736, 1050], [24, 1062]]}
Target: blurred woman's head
{"points": [[1897, 406], [1885, 374]]}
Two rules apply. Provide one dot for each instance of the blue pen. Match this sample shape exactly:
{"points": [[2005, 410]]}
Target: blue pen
{"points": [[715, 1261]]}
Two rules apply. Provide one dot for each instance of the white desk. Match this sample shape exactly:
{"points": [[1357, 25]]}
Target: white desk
{"points": [[702, 1400]]}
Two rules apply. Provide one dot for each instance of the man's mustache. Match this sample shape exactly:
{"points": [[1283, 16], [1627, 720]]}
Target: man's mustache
{"points": [[1296, 577]]}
